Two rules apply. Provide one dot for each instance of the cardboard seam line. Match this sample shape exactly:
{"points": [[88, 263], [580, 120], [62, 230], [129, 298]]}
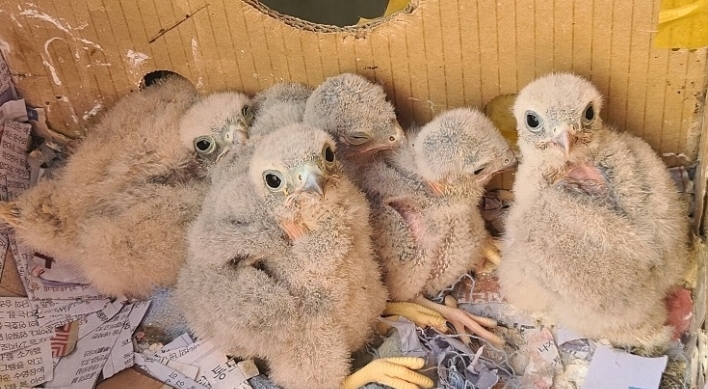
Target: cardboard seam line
{"points": [[358, 30]]}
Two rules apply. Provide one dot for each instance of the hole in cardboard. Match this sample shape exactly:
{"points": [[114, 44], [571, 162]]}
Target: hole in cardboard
{"points": [[333, 15], [156, 75]]}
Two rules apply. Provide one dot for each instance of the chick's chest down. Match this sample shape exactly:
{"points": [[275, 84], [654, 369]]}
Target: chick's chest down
{"points": [[428, 231], [302, 289], [595, 236]]}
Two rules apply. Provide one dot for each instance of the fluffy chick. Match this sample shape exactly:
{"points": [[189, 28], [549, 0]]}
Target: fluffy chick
{"points": [[146, 223], [428, 229], [119, 208], [355, 112], [596, 236], [215, 125], [279, 105], [281, 264]]}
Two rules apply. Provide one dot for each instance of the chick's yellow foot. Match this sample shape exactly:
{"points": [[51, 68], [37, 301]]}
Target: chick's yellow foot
{"points": [[492, 251], [421, 316], [492, 257], [394, 372], [462, 319]]}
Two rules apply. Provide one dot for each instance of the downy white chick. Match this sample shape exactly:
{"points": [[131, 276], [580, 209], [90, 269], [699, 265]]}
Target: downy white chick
{"points": [[595, 237], [279, 105], [215, 125], [427, 227], [280, 263], [355, 112], [118, 210], [146, 223]]}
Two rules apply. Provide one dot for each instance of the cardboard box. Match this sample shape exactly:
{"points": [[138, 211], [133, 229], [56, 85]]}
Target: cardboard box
{"points": [[77, 57]]}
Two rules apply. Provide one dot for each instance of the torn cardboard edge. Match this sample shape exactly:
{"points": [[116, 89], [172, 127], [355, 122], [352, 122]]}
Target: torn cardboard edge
{"points": [[358, 30]]}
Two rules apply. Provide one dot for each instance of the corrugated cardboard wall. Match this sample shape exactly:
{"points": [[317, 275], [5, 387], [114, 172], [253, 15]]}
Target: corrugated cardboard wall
{"points": [[78, 57]]}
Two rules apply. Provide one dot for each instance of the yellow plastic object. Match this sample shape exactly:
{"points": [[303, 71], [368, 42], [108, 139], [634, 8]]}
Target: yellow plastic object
{"points": [[498, 110], [392, 7], [682, 24]]}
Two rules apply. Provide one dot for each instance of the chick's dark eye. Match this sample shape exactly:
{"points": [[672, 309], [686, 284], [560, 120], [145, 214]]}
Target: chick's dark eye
{"points": [[476, 172], [203, 145], [329, 155], [589, 112], [272, 181], [532, 120]]}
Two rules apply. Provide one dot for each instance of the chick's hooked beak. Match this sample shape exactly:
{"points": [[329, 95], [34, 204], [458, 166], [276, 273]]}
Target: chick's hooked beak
{"points": [[226, 140], [510, 161], [394, 140], [565, 138], [399, 136], [310, 178]]}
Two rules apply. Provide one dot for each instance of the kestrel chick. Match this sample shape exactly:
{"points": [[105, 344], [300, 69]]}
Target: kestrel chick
{"points": [[281, 252], [595, 236]]}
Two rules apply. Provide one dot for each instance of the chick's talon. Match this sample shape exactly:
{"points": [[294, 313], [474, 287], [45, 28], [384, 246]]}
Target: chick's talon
{"points": [[491, 257], [461, 320], [492, 251], [394, 372], [420, 315]]}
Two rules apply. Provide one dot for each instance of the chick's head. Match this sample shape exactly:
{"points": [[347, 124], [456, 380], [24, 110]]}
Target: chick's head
{"points": [[213, 125], [557, 114], [356, 113], [460, 151], [294, 169]]}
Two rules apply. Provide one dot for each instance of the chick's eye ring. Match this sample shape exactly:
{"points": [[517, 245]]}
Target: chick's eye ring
{"points": [[589, 113], [328, 154], [246, 111], [533, 122], [273, 180], [205, 144]]}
